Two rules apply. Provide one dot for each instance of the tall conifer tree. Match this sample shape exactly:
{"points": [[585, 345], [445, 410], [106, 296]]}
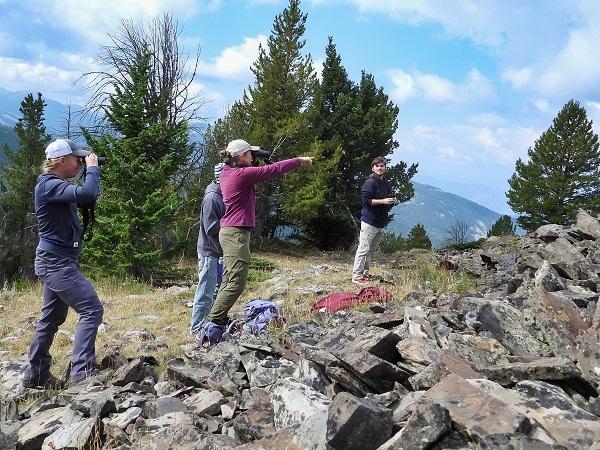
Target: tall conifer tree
{"points": [[18, 230], [562, 174], [139, 204]]}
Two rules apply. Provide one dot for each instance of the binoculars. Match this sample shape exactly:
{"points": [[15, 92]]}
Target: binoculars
{"points": [[256, 156]]}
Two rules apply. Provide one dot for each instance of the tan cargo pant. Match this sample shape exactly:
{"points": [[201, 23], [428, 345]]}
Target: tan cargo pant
{"points": [[369, 239], [236, 263]]}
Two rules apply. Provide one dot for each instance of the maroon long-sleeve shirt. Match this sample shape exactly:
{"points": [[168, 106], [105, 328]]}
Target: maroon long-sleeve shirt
{"points": [[239, 194]]}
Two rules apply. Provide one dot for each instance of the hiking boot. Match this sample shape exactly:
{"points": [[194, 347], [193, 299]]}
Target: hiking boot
{"points": [[361, 281], [51, 382]]}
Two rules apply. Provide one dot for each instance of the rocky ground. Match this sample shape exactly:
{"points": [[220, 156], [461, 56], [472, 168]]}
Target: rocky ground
{"points": [[514, 366]]}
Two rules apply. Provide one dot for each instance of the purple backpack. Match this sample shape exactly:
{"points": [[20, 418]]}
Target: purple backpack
{"points": [[259, 313]]}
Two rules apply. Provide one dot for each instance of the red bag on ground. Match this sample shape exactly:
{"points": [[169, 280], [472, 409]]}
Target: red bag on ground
{"points": [[343, 300]]}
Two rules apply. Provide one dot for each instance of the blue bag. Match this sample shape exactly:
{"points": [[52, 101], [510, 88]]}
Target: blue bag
{"points": [[260, 313]]}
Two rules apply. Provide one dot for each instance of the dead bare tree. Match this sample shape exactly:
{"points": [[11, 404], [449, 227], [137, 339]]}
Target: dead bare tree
{"points": [[171, 76], [457, 233]]}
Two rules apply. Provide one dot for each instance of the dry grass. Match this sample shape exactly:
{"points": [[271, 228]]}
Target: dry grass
{"points": [[140, 319]]}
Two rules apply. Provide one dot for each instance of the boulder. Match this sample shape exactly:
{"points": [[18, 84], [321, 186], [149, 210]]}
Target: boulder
{"points": [[475, 411], [355, 423], [428, 424]]}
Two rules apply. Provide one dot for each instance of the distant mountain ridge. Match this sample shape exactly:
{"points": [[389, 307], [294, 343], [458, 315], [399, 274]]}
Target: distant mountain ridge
{"points": [[438, 210]]}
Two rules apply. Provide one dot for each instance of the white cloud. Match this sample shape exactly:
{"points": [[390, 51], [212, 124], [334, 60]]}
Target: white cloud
{"points": [[465, 145], [234, 62], [434, 88], [542, 105], [53, 81], [93, 19], [548, 48], [518, 78]]}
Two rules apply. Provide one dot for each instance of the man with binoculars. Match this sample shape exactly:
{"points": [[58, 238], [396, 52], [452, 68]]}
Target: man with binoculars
{"points": [[56, 200]]}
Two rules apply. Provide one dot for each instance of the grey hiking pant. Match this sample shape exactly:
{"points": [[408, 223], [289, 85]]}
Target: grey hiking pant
{"points": [[64, 286], [369, 239]]}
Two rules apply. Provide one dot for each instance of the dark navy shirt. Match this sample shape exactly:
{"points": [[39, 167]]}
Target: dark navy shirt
{"points": [[375, 188], [56, 202]]}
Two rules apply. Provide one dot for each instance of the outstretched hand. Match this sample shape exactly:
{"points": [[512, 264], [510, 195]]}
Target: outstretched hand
{"points": [[305, 160]]}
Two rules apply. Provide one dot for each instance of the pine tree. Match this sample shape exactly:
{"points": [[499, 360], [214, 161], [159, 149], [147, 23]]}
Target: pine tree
{"points": [[18, 230], [562, 174], [139, 204], [417, 238], [358, 122], [275, 109], [502, 227]]}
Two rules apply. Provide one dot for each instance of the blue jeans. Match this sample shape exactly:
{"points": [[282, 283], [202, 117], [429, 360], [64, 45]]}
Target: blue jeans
{"points": [[210, 273], [64, 286]]}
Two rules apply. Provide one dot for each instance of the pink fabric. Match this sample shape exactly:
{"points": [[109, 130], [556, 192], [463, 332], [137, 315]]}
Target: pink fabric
{"points": [[343, 300], [237, 186]]}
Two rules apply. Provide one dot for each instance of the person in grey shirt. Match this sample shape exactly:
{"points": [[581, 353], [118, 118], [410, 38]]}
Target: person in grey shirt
{"points": [[210, 253]]}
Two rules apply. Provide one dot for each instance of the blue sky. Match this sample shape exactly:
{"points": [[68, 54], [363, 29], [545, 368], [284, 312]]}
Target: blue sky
{"points": [[476, 81]]}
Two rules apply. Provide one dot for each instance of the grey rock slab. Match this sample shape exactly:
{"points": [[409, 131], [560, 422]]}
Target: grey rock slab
{"points": [[121, 420], [356, 423], [255, 399], [578, 295], [33, 432], [551, 408], [418, 350], [168, 420], [251, 425], [588, 355], [205, 402], [11, 374], [186, 372], [478, 350], [406, 406], [548, 278], [427, 424], [375, 372], [517, 441], [264, 369], [94, 403], [308, 332], [134, 371], [9, 434], [447, 363], [514, 330], [566, 259], [546, 368], [379, 342], [558, 320], [294, 402], [549, 232], [311, 374], [474, 410], [181, 437], [163, 405], [73, 436], [587, 225]]}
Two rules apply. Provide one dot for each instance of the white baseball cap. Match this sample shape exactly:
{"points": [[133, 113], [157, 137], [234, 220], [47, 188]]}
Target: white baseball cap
{"points": [[63, 147], [239, 146]]}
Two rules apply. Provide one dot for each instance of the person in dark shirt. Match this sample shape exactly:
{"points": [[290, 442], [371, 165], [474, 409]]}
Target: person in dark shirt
{"points": [[56, 200], [376, 203], [210, 253]]}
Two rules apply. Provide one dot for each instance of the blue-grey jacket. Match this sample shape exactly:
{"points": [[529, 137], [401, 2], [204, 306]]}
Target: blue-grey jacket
{"points": [[375, 188], [211, 212], [56, 202]]}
